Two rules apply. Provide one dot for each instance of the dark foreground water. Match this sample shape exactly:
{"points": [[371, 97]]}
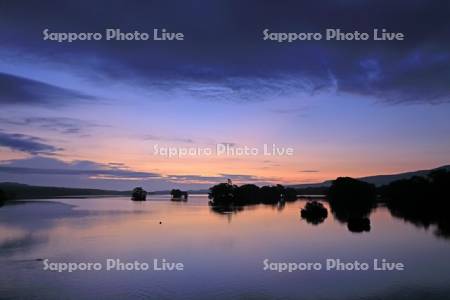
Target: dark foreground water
{"points": [[222, 253]]}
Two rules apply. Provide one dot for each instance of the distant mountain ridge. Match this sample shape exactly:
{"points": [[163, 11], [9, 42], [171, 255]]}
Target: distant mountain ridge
{"points": [[24, 191], [378, 180]]}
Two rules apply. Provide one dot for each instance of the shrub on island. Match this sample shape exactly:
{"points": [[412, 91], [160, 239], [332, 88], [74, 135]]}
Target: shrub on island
{"points": [[178, 194], [351, 190], [138, 194], [351, 201], [230, 194], [290, 194], [223, 193], [247, 194], [351, 198]]}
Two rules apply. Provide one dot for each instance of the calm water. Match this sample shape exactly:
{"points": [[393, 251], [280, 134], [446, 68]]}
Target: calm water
{"points": [[222, 253]]}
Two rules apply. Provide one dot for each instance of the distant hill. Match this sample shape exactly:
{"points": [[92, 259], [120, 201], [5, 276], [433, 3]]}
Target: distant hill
{"points": [[378, 180], [25, 191]]}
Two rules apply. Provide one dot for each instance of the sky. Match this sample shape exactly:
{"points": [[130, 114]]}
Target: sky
{"points": [[90, 113]]}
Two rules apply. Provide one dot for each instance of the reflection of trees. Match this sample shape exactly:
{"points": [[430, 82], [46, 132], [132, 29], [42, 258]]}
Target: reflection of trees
{"points": [[443, 228], [355, 216], [423, 201], [345, 211], [352, 201], [228, 199], [314, 212], [358, 224], [2, 198], [424, 216], [225, 209], [281, 205]]}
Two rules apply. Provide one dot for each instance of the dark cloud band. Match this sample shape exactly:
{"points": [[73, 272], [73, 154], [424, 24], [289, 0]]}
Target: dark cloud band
{"points": [[26, 143], [20, 90], [223, 43]]}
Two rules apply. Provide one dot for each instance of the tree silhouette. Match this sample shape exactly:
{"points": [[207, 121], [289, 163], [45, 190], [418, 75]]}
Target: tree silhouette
{"points": [[423, 201], [314, 212], [178, 194], [227, 193], [138, 194], [222, 193], [247, 194], [352, 201]]}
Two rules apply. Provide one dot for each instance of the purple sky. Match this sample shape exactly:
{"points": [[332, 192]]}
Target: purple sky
{"points": [[89, 114]]}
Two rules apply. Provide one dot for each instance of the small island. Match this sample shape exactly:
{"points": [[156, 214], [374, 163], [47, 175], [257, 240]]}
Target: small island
{"points": [[229, 194], [139, 194], [229, 198], [178, 195], [351, 202]]}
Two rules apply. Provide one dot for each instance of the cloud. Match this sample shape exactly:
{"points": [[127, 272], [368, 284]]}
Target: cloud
{"points": [[240, 178], [195, 178], [59, 124], [49, 171], [299, 111], [50, 166], [26, 143], [20, 90], [269, 163], [253, 88], [103, 173], [309, 171], [414, 70], [168, 139]]}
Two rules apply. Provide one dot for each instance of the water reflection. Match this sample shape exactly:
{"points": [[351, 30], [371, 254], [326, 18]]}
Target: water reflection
{"points": [[423, 201], [358, 225], [356, 217], [226, 255], [314, 212], [225, 210], [21, 243], [424, 217]]}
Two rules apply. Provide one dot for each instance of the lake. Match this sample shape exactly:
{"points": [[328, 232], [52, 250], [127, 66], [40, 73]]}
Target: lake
{"points": [[222, 252]]}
